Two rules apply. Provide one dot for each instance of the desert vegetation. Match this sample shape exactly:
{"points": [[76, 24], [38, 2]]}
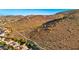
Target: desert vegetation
{"points": [[39, 32]]}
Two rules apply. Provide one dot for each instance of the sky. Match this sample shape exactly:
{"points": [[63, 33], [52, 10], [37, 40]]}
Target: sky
{"points": [[30, 11]]}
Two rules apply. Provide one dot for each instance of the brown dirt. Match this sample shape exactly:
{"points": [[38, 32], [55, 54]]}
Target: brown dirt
{"points": [[61, 33], [26, 24]]}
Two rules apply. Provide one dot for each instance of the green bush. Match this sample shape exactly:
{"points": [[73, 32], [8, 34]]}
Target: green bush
{"points": [[30, 44], [20, 41], [2, 43]]}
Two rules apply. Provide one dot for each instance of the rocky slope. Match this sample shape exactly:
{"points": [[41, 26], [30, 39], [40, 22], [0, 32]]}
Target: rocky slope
{"points": [[35, 32], [60, 33], [8, 43], [13, 29]]}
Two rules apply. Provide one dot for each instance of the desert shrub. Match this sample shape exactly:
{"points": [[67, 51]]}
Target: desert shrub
{"points": [[15, 39], [5, 46], [32, 45], [21, 41], [10, 47], [2, 43]]}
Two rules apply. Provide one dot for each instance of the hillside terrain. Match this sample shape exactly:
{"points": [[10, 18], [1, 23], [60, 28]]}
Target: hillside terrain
{"points": [[51, 32], [59, 33]]}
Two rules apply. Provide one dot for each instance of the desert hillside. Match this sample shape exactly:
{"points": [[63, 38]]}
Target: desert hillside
{"points": [[58, 31]]}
